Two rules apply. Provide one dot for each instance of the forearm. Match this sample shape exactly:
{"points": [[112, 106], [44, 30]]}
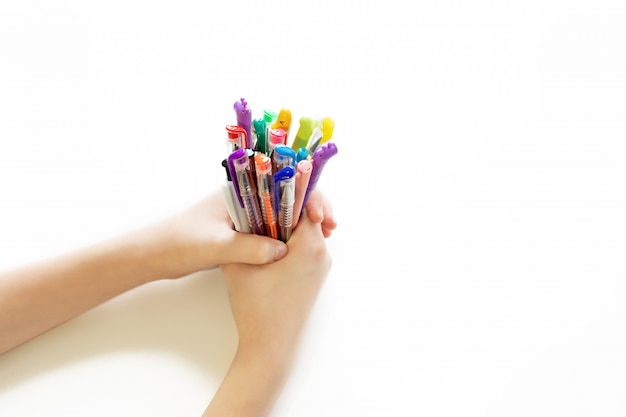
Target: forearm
{"points": [[253, 382], [36, 298]]}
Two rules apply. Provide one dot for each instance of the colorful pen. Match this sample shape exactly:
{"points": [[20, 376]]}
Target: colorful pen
{"points": [[269, 117], [244, 119], [239, 164], [302, 154], [265, 185], [282, 156], [284, 183], [322, 134], [277, 136], [320, 157], [236, 138], [283, 121], [304, 133], [314, 141], [259, 130], [303, 175], [328, 126], [235, 211]]}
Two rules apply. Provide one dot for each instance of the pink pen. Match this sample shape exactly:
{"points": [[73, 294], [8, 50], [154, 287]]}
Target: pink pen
{"points": [[277, 136], [303, 175]]}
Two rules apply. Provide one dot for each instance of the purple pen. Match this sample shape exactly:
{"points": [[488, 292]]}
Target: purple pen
{"points": [[241, 165], [244, 119], [321, 155]]}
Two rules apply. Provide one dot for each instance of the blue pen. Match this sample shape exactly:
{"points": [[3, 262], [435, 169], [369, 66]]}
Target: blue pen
{"points": [[303, 153], [285, 188], [283, 156]]}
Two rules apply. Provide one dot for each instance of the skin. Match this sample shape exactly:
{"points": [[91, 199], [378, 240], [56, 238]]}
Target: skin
{"points": [[272, 287], [270, 304]]}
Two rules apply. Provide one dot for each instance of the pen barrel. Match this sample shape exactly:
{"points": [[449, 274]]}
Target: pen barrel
{"points": [[269, 216], [286, 199], [285, 221], [247, 191], [253, 213]]}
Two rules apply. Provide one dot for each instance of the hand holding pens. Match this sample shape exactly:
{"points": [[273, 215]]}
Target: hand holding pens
{"points": [[270, 180]]}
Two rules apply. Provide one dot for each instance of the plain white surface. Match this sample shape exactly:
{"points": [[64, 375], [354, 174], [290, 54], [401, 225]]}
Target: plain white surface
{"points": [[479, 187]]}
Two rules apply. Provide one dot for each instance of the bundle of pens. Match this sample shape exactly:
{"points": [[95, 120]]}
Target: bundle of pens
{"points": [[269, 182]]}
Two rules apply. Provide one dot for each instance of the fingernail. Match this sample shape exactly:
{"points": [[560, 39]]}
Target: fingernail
{"points": [[280, 251]]}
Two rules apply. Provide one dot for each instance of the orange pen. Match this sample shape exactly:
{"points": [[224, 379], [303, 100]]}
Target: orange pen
{"points": [[303, 175], [265, 186]]}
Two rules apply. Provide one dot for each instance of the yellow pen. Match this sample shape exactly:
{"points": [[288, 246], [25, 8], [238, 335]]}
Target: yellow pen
{"points": [[283, 120], [307, 125]]}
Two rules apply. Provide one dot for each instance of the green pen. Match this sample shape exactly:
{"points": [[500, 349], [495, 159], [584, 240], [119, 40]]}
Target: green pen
{"points": [[269, 117], [259, 128], [305, 130]]}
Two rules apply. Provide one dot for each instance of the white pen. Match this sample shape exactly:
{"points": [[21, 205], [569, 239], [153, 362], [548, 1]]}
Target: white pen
{"points": [[235, 211]]}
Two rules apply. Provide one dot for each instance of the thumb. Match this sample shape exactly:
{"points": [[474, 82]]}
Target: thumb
{"points": [[253, 249]]}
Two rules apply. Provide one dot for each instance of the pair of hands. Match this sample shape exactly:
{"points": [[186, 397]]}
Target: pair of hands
{"points": [[271, 285]]}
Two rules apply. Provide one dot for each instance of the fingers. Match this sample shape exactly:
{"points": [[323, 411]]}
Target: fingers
{"points": [[315, 206], [320, 210], [329, 223], [253, 249], [307, 247]]}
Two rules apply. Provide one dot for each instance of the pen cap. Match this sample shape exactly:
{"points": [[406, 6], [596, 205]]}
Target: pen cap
{"points": [[283, 155], [304, 132], [236, 137], [304, 167], [328, 126], [277, 136], [303, 175], [244, 172], [302, 155], [244, 117], [320, 157], [263, 164], [265, 183], [269, 117], [283, 120], [259, 130]]}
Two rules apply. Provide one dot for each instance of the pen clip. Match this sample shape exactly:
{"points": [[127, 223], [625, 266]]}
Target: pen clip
{"points": [[284, 174], [238, 154], [237, 137]]}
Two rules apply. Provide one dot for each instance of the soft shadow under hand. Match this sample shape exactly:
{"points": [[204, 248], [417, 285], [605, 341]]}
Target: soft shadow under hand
{"points": [[189, 317]]}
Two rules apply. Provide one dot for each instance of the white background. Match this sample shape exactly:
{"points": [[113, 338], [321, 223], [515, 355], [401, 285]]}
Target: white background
{"points": [[479, 188]]}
